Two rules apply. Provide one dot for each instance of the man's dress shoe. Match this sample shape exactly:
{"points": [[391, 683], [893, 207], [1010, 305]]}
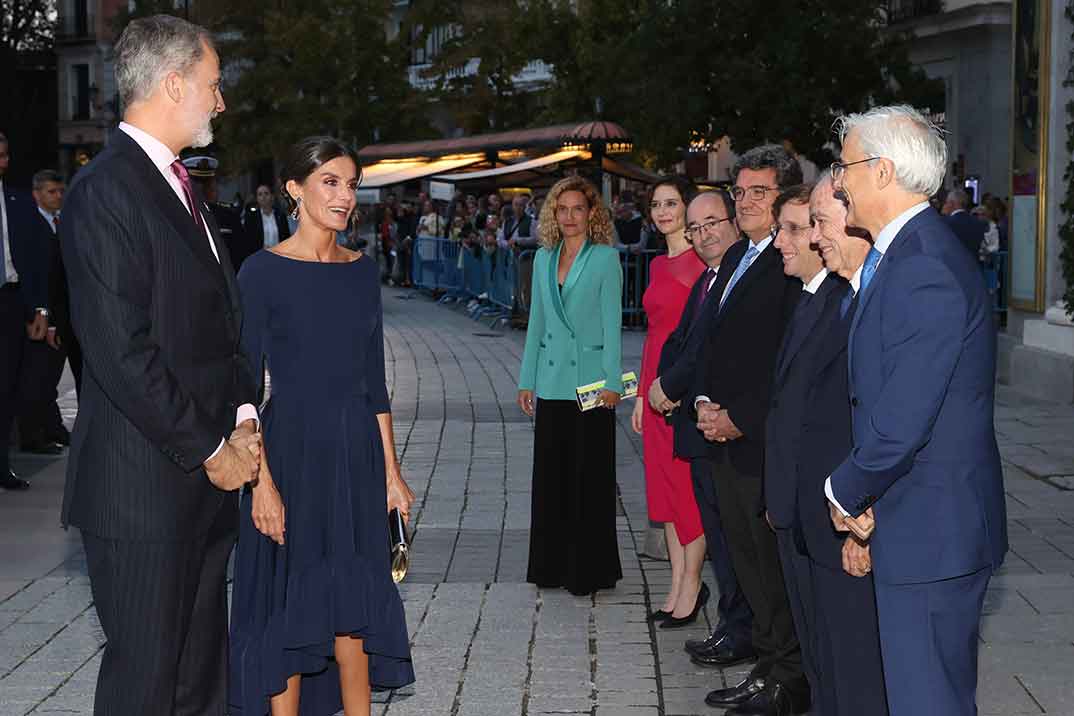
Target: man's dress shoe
{"points": [[774, 700], [723, 653], [692, 646], [737, 694], [11, 481]]}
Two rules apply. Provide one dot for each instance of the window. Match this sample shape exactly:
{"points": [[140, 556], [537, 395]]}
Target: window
{"points": [[80, 92]]}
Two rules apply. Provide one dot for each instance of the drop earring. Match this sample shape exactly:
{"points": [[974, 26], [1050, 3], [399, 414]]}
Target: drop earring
{"points": [[298, 205]]}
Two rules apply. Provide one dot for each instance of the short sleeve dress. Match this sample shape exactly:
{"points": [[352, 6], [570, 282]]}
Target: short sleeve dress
{"points": [[318, 327]]}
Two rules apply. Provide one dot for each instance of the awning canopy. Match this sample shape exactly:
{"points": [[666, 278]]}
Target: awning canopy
{"points": [[629, 171], [609, 134], [384, 174], [518, 168]]}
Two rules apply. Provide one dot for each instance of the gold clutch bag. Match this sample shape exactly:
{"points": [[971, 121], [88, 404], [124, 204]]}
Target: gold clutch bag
{"points": [[399, 544]]}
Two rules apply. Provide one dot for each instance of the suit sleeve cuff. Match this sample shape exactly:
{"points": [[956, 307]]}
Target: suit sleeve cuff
{"points": [[831, 496], [216, 451], [245, 412]]}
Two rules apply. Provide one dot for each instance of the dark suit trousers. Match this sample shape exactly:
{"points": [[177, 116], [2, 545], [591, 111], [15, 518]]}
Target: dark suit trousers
{"points": [[755, 556], [846, 645], [39, 414], [798, 578], [163, 609], [12, 343], [734, 611], [929, 634]]}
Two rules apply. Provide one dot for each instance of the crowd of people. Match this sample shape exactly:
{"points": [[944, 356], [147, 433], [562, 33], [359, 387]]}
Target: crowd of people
{"points": [[815, 402], [817, 416]]}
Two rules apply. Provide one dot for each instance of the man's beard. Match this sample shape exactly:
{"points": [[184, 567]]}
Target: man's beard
{"points": [[203, 137]]}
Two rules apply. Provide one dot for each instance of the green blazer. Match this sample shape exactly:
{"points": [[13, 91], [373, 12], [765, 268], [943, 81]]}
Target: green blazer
{"points": [[575, 338]]}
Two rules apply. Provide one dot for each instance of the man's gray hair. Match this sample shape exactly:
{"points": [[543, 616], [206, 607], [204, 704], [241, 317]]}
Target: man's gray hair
{"points": [[770, 156], [906, 137], [46, 176], [150, 48], [960, 198]]}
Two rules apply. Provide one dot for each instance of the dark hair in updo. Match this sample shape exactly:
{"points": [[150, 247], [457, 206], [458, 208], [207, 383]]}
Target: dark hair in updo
{"points": [[306, 157]]}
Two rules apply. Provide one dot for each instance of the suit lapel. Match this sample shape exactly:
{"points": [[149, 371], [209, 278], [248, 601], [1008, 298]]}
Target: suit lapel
{"points": [[806, 321], [172, 208], [834, 341], [224, 264], [760, 264], [553, 286]]}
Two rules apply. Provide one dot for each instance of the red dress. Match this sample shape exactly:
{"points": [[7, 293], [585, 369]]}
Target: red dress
{"points": [[668, 486]]}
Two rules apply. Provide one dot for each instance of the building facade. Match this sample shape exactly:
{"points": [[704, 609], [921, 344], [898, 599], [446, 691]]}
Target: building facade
{"points": [[87, 101]]}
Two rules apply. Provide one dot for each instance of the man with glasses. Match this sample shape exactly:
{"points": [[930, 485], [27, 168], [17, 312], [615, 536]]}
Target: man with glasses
{"points": [[710, 228], [731, 397], [923, 483]]}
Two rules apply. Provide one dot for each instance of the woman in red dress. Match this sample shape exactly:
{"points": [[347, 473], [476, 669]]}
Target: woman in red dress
{"points": [[668, 487]]}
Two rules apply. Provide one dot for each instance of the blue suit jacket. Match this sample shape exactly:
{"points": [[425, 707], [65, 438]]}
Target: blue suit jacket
{"points": [[969, 230], [28, 253], [922, 355]]}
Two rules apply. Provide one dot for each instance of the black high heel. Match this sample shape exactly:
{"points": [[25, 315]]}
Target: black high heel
{"points": [[658, 616], [673, 622]]}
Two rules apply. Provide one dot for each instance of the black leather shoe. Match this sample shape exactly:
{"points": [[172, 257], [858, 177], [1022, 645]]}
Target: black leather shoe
{"points": [[723, 654], [775, 700], [735, 695], [692, 646], [43, 448], [673, 622], [658, 616], [11, 481]]}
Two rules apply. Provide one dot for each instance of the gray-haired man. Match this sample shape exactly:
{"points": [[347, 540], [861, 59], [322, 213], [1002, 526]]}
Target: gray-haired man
{"points": [[165, 430]]}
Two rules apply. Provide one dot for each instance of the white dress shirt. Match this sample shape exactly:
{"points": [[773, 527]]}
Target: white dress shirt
{"points": [[49, 218], [815, 282], [10, 274], [882, 243], [268, 226], [162, 159]]}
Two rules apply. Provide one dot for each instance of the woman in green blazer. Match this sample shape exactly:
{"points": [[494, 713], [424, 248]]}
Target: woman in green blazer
{"points": [[573, 339]]}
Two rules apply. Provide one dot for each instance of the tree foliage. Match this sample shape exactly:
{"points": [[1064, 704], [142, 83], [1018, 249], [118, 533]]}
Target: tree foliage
{"points": [[483, 49], [676, 70]]}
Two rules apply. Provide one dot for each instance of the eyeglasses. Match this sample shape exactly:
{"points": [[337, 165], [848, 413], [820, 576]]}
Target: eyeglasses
{"points": [[696, 230], [838, 168], [755, 193], [793, 229]]}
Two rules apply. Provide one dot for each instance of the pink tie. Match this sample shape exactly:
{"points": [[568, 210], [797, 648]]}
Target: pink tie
{"points": [[184, 179]]}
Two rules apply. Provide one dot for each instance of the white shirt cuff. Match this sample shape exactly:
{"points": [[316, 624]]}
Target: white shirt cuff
{"points": [[247, 411], [701, 399], [831, 497]]}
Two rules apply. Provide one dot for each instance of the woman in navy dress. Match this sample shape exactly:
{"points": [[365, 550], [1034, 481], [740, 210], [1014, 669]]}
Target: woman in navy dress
{"points": [[316, 619]]}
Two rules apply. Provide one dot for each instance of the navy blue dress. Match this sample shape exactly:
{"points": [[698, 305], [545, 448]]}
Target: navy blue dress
{"points": [[318, 326]]}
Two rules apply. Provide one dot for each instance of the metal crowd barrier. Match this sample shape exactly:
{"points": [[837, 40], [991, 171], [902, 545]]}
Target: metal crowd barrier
{"points": [[498, 285], [995, 276]]}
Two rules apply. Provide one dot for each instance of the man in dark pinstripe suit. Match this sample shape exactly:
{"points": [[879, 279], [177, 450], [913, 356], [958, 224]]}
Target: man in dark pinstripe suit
{"points": [[166, 430]]}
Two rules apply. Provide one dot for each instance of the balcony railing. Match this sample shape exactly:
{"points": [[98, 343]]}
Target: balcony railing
{"points": [[533, 73], [903, 10]]}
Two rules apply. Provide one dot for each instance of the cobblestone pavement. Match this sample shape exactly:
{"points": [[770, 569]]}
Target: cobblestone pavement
{"points": [[485, 642]]}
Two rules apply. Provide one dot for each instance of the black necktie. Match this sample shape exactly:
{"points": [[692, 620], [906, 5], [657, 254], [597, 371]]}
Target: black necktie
{"points": [[703, 294]]}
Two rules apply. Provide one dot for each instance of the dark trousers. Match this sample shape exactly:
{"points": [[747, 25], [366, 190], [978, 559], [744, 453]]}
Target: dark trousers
{"points": [[39, 414], [163, 609], [846, 643], [798, 578], [735, 616], [12, 343], [755, 556], [929, 635]]}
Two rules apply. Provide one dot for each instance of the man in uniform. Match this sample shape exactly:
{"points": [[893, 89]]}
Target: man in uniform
{"points": [[202, 171]]}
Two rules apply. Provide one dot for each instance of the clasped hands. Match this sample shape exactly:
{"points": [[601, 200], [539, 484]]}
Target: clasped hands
{"points": [[659, 401], [715, 424], [239, 459], [861, 526]]}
